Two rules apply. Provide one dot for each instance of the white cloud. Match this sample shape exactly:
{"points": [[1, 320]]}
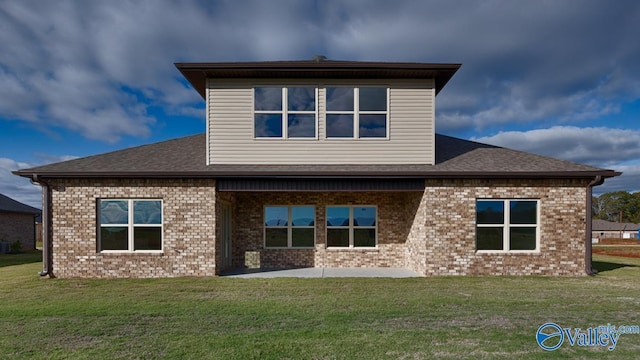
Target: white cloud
{"points": [[615, 149], [596, 146], [629, 181], [19, 188]]}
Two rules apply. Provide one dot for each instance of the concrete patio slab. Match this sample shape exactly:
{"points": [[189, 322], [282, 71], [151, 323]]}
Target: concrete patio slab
{"points": [[322, 273]]}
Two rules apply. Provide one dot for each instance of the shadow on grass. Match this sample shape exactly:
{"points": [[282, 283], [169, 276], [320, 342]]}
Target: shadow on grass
{"points": [[603, 266], [19, 259]]}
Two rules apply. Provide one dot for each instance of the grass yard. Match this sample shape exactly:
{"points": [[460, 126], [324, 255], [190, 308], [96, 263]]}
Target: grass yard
{"points": [[330, 318]]}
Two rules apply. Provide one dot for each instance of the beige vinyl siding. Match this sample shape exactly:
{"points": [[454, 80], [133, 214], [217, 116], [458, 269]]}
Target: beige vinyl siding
{"points": [[231, 138]]}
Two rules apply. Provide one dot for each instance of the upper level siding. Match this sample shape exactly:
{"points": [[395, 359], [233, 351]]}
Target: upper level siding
{"points": [[231, 135]]}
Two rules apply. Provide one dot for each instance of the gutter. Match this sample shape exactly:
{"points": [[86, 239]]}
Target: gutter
{"points": [[47, 246], [598, 180]]}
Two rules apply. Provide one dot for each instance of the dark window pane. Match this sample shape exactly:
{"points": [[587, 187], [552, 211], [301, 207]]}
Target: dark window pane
{"points": [[268, 98], [490, 212], [524, 212], [114, 212], [276, 237], [522, 238], [373, 126], [303, 215], [364, 237], [114, 238], [301, 126], [338, 237], [373, 99], [339, 126], [301, 99], [364, 216], [276, 215], [338, 216], [340, 99], [268, 125], [147, 238], [489, 238], [302, 237], [147, 212]]}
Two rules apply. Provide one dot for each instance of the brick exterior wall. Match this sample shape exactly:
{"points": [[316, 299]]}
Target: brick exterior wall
{"points": [[446, 225], [188, 236], [431, 232], [393, 229], [18, 227]]}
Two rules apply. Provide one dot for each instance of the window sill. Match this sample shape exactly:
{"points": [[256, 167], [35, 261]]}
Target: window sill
{"points": [[498, 252], [361, 249], [117, 252], [356, 139], [286, 139], [290, 248]]}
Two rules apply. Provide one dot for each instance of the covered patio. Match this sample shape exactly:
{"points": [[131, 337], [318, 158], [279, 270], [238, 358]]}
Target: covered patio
{"points": [[321, 272]]}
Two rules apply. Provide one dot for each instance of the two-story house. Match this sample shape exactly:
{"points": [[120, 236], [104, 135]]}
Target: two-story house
{"points": [[316, 164]]}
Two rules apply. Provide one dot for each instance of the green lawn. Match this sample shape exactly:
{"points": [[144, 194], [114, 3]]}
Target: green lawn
{"points": [[330, 318]]}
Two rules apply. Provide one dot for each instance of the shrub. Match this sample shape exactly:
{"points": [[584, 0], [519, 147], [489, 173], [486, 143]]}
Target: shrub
{"points": [[16, 247]]}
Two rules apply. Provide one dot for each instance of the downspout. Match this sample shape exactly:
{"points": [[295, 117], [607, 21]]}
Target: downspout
{"points": [[598, 180], [35, 233], [47, 254]]}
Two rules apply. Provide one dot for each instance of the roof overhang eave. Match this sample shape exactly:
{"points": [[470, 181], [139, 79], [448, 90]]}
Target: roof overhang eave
{"points": [[198, 73], [326, 174]]}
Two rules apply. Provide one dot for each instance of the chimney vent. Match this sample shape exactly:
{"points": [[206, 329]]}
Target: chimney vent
{"points": [[319, 58]]}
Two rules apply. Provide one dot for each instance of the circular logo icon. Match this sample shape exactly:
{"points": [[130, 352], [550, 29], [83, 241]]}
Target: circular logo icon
{"points": [[549, 336]]}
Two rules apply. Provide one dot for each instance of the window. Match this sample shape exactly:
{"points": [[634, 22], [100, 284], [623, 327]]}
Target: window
{"points": [[285, 112], [356, 112], [130, 225], [507, 225], [351, 226], [289, 226]]}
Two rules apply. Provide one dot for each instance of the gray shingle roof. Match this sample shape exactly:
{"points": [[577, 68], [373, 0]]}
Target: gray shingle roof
{"points": [[186, 157], [604, 225], [7, 204]]}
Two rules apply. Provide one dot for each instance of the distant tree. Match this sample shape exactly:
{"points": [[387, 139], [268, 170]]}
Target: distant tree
{"points": [[598, 208], [617, 206]]}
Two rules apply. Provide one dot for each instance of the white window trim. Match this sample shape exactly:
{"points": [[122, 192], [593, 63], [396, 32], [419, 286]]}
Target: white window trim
{"points": [[289, 228], [284, 113], [506, 227], [131, 225], [350, 227], [356, 114]]}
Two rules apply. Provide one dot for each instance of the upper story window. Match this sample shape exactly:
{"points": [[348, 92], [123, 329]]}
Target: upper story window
{"points": [[357, 112], [285, 112], [507, 225]]}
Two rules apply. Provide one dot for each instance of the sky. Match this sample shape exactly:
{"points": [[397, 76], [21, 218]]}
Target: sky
{"points": [[559, 78]]}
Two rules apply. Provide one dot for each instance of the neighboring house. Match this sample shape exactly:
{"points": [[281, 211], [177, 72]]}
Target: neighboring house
{"points": [[17, 223], [317, 164], [603, 229]]}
